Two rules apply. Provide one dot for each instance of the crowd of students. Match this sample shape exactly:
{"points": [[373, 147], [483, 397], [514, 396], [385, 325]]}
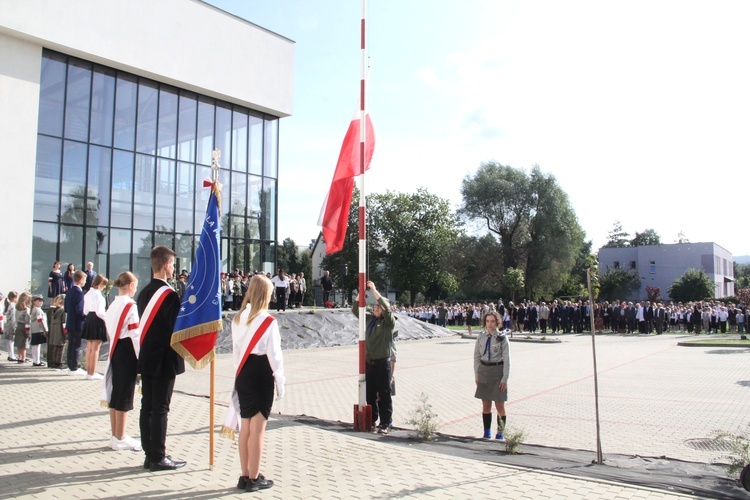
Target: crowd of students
{"points": [[289, 289], [566, 316]]}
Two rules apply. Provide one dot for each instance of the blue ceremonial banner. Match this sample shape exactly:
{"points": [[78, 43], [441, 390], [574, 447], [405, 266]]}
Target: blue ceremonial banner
{"points": [[199, 320]]}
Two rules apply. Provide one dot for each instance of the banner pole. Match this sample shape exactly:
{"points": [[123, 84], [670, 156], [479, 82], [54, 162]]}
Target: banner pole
{"points": [[211, 417]]}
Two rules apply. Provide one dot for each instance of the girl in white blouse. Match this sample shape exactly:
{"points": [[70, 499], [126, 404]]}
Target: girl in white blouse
{"points": [[94, 328]]}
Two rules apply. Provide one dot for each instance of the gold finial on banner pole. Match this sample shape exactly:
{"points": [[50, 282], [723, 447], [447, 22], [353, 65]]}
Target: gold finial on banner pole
{"points": [[215, 156]]}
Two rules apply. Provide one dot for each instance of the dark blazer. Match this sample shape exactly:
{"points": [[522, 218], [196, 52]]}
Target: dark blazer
{"points": [[74, 309], [157, 358]]}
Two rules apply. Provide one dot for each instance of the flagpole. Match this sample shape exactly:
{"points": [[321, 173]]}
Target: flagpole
{"points": [[216, 154], [363, 417], [599, 458]]}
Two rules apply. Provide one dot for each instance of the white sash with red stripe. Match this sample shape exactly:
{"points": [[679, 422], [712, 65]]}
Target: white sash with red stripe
{"points": [[151, 309], [107, 385]]}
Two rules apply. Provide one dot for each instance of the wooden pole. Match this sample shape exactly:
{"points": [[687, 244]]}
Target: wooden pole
{"points": [[596, 377], [211, 417]]}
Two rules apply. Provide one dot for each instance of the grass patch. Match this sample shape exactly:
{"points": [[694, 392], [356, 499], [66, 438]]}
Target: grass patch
{"points": [[718, 342]]}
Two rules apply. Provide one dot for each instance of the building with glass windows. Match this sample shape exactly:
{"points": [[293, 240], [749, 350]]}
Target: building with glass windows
{"points": [[109, 112]]}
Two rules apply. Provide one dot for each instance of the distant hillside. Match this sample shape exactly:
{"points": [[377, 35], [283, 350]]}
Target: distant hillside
{"points": [[742, 259]]}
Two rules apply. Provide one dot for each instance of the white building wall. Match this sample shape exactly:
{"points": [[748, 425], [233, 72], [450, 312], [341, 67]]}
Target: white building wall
{"points": [[670, 263], [187, 43], [20, 68]]}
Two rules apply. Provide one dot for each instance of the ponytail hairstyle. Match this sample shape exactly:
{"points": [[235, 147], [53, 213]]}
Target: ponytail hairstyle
{"points": [[258, 296], [99, 280], [124, 279], [11, 295]]}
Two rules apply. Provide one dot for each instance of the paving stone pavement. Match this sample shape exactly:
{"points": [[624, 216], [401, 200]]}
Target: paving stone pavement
{"points": [[653, 396]]}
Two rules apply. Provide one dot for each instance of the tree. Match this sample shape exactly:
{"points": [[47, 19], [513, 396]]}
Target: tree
{"points": [[555, 237], [647, 237], [741, 276], [416, 231], [618, 284], [576, 280], [532, 218], [682, 238], [514, 281], [654, 293], [692, 285], [287, 257], [617, 238], [471, 259]]}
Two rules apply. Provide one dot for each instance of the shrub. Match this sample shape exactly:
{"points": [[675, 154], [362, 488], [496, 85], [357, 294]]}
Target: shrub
{"points": [[423, 418]]}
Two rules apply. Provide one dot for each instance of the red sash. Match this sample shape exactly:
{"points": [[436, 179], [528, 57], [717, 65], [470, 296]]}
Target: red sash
{"points": [[256, 338], [121, 322], [152, 308]]}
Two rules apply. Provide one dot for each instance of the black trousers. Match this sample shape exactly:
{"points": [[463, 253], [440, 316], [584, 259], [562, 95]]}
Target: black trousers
{"points": [[281, 298], [157, 394], [378, 392], [74, 343]]}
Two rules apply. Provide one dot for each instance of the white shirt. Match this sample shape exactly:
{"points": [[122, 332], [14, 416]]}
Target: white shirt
{"points": [[129, 326], [269, 344], [280, 283], [94, 301]]}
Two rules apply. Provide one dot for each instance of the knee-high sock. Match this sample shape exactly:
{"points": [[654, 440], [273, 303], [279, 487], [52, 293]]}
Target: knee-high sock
{"points": [[487, 420], [501, 422]]}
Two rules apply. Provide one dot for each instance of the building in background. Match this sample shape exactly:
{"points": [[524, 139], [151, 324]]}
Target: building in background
{"points": [[660, 265], [109, 112]]}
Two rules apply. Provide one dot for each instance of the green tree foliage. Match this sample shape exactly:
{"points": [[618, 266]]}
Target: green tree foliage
{"points": [[514, 280], [416, 229], [618, 284], [647, 237], [555, 237], [741, 275], [532, 218], [472, 260], [287, 256], [692, 285], [576, 280], [617, 238]]}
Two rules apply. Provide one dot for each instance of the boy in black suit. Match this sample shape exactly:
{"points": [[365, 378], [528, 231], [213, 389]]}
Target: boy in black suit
{"points": [[158, 364]]}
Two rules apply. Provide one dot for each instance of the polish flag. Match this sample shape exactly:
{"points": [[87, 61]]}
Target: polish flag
{"points": [[334, 215]]}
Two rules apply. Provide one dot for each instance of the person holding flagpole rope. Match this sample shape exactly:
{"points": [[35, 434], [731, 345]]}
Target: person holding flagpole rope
{"points": [[119, 381], [158, 363], [259, 366]]}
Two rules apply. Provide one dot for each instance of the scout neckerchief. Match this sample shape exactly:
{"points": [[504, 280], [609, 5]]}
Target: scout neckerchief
{"points": [[120, 323], [152, 308], [256, 338]]}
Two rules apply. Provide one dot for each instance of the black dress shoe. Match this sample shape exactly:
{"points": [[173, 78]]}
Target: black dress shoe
{"points": [[166, 463], [146, 464]]}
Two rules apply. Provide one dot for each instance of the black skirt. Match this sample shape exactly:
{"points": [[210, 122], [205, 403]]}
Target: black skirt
{"points": [[124, 371], [255, 386], [38, 338], [94, 328]]}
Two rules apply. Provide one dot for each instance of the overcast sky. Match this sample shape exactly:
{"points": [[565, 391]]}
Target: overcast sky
{"points": [[640, 109]]}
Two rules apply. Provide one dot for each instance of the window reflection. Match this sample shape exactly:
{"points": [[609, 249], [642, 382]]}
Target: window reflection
{"points": [[126, 105], [148, 101], [47, 183], [270, 147], [102, 106], [130, 172], [43, 254], [186, 127], [143, 200], [52, 95], [122, 188], [73, 182], [77, 101], [167, 123]]}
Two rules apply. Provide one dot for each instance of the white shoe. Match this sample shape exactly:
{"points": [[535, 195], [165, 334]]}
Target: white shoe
{"points": [[79, 371], [95, 376], [127, 443]]}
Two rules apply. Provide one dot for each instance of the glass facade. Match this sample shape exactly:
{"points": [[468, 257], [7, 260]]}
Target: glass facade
{"points": [[120, 167]]}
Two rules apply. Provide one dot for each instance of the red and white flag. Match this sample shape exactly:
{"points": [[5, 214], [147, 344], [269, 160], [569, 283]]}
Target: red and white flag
{"points": [[334, 215]]}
